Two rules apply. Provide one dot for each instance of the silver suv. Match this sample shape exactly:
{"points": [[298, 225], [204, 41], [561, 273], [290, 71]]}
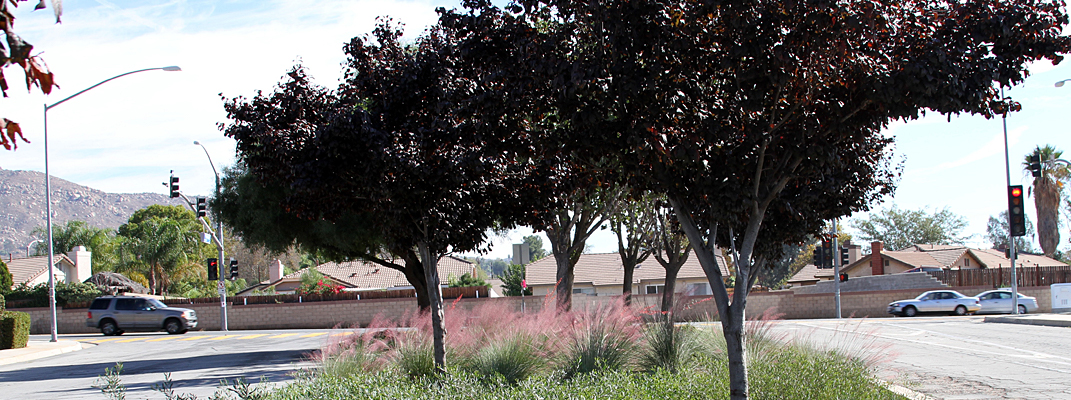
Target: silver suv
{"points": [[117, 314]]}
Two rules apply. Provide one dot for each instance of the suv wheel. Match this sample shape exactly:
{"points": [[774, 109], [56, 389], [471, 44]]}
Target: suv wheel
{"points": [[108, 328], [174, 327]]}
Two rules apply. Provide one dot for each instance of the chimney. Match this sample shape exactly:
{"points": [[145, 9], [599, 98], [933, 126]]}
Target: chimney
{"points": [[877, 266], [275, 271], [855, 252], [83, 263]]}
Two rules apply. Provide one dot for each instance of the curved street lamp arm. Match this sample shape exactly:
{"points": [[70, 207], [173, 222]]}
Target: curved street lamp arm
{"points": [[171, 68]]}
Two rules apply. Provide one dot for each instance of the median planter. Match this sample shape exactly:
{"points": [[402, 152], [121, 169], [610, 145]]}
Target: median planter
{"points": [[14, 330]]}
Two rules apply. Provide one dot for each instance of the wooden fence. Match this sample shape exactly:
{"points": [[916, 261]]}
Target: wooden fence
{"points": [[1001, 277]]}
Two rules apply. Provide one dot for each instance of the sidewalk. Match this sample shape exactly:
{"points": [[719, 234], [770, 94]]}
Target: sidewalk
{"points": [[1061, 320], [38, 349]]}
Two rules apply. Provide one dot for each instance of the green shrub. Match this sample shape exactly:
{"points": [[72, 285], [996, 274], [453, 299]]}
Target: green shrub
{"points": [[415, 357], [14, 330], [669, 347], [79, 292], [6, 281], [514, 359], [3, 304]]}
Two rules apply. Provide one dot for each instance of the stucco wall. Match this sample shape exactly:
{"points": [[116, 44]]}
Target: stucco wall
{"points": [[361, 312]]}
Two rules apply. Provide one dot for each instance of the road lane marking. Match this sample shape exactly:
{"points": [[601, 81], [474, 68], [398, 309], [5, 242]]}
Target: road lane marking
{"points": [[252, 336], [165, 338], [132, 340], [103, 340], [224, 337], [282, 336], [343, 334], [315, 334], [195, 338]]}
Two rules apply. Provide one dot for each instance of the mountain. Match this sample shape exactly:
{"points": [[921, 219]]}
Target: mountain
{"points": [[22, 206]]}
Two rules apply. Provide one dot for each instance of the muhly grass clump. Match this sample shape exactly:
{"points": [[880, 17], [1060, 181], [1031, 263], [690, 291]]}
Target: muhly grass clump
{"points": [[605, 352]]}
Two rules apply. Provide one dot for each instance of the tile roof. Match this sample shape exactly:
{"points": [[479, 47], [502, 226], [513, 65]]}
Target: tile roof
{"points": [[945, 255], [27, 269], [361, 274], [811, 273], [992, 258], [605, 269]]}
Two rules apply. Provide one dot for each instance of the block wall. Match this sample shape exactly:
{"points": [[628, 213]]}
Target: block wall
{"points": [[351, 313]]}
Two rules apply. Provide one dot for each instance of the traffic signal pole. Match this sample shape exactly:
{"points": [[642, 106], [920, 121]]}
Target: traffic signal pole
{"points": [[835, 253], [217, 236]]}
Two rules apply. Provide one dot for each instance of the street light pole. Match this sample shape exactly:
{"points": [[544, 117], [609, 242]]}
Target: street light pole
{"points": [[221, 287], [48, 195], [31, 244], [1011, 239]]}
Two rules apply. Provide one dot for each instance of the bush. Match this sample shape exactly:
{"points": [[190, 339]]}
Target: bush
{"points": [[3, 304], [6, 281], [14, 330], [513, 359]]}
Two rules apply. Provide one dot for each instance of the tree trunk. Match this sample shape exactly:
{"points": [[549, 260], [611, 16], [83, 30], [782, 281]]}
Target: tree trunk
{"points": [[563, 290], [668, 290], [626, 285], [414, 273], [435, 296], [733, 327], [1047, 203]]}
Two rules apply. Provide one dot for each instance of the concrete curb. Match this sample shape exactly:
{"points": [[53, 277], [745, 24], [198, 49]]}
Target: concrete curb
{"points": [[910, 394], [35, 350], [1042, 320]]}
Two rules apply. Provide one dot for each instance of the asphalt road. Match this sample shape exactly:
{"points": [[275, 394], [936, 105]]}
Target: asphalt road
{"points": [[197, 361], [951, 357]]}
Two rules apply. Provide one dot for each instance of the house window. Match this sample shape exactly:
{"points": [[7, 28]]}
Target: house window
{"points": [[655, 289], [584, 290], [966, 262], [886, 263], [698, 289]]}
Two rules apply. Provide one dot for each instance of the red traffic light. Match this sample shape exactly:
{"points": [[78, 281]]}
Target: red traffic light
{"points": [[1017, 192]]}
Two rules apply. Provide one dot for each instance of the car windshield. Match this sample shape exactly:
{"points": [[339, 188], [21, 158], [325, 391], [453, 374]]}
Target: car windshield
{"points": [[156, 303]]}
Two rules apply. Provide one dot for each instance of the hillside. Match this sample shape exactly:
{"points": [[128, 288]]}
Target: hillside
{"points": [[22, 206]]}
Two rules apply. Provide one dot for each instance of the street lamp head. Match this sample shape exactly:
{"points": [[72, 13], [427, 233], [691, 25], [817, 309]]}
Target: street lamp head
{"points": [[172, 68], [196, 143], [1061, 83]]}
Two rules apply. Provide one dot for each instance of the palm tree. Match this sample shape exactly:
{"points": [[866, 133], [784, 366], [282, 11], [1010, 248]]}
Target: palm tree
{"points": [[1046, 191]]}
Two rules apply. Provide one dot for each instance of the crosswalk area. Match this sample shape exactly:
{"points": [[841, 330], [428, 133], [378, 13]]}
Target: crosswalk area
{"points": [[210, 337]]}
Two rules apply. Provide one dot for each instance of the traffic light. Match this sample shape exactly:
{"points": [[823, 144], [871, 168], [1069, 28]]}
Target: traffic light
{"points": [[174, 187], [213, 269], [843, 277], [827, 256], [1016, 213], [234, 269], [819, 257], [201, 205], [1008, 253], [1035, 164], [844, 260]]}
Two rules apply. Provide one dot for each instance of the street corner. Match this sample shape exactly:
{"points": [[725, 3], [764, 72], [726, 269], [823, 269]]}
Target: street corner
{"points": [[1058, 320], [39, 349]]}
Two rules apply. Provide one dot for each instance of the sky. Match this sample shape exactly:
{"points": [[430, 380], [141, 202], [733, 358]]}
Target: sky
{"points": [[127, 136]]}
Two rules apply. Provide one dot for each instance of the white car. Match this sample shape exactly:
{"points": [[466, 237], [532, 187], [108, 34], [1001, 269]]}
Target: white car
{"points": [[936, 301], [1000, 301]]}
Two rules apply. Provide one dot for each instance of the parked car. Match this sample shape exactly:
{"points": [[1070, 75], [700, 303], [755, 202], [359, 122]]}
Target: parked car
{"points": [[1000, 301], [936, 301], [114, 315]]}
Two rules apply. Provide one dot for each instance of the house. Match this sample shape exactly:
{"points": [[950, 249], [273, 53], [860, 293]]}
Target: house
{"points": [[602, 275], [359, 275], [948, 257], [76, 266]]}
